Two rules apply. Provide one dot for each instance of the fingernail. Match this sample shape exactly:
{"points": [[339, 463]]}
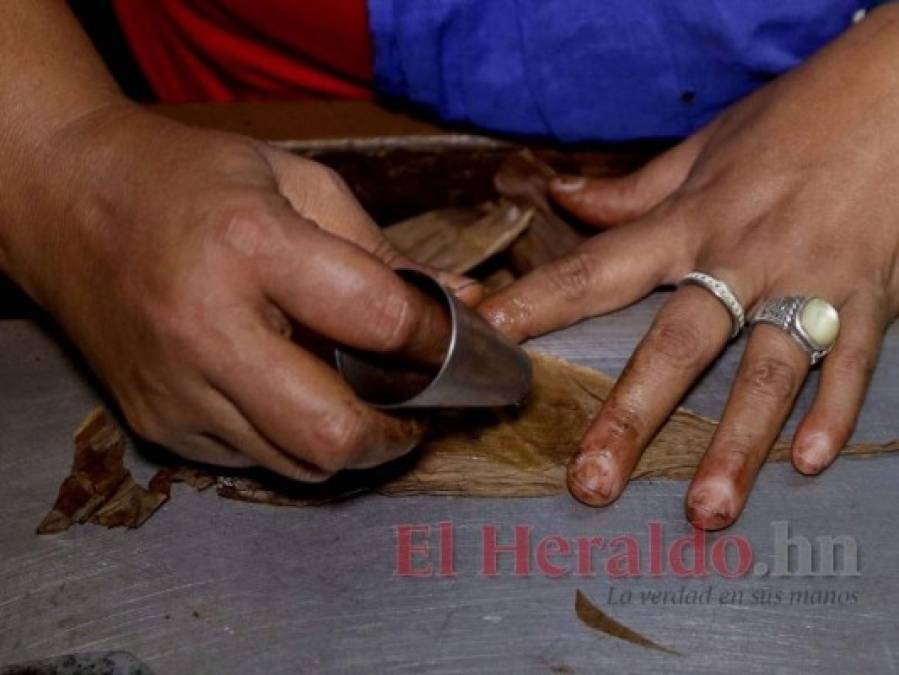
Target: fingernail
{"points": [[813, 455], [710, 507], [569, 183], [592, 479]]}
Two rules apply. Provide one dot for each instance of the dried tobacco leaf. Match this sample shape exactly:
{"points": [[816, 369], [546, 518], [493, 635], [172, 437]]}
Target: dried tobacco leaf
{"points": [[194, 477], [97, 472], [457, 240], [497, 281], [593, 617], [130, 506], [517, 452], [524, 179], [101, 490], [488, 453]]}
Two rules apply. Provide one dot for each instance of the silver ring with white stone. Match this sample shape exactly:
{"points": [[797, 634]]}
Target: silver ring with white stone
{"points": [[813, 322], [726, 296]]}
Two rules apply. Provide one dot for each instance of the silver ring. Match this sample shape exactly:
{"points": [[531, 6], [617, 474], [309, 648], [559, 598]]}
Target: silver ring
{"points": [[813, 322], [726, 296]]}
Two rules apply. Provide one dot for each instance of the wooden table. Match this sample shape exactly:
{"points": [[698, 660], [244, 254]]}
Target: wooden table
{"points": [[216, 586]]}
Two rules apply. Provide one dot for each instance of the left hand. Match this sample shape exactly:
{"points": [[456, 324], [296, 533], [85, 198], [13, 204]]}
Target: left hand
{"points": [[793, 191]]}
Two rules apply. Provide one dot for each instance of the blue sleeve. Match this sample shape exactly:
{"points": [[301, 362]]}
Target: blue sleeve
{"points": [[575, 70]]}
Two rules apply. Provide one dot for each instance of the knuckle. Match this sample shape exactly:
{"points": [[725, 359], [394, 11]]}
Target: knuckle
{"points": [[621, 422], [245, 230], [852, 364], [392, 321], [734, 450], [341, 438], [386, 253], [571, 276], [770, 378], [149, 426], [182, 334], [631, 194], [677, 342]]}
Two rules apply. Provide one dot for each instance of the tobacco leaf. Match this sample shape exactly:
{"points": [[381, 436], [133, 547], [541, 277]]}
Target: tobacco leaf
{"points": [[516, 452], [481, 453], [130, 506], [593, 617], [101, 490], [457, 240], [97, 472], [524, 180], [192, 476], [497, 281]]}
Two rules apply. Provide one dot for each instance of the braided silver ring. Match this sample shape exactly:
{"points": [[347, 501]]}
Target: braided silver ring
{"points": [[813, 322], [726, 296]]}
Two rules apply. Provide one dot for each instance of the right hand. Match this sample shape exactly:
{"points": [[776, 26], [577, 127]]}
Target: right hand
{"points": [[179, 260]]}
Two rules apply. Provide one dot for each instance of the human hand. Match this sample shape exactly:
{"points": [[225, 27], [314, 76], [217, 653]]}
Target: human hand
{"points": [[790, 192], [181, 261]]}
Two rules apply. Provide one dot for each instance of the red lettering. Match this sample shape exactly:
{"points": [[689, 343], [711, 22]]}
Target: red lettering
{"points": [[520, 548], [626, 562], [447, 549], [406, 551], [548, 547], [656, 546], [696, 541], [585, 545], [719, 556]]}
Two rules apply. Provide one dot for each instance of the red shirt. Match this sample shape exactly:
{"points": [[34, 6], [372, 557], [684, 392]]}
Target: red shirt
{"points": [[228, 50]]}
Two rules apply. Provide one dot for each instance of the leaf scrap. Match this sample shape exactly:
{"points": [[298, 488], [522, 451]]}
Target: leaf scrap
{"points": [[101, 490], [457, 240], [593, 617], [524, 180]]}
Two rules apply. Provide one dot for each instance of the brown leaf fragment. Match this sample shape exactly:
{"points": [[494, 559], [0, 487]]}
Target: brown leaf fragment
{"points": [[194, 477], [497, 281], [130, 506], [593, 617], [524, 180], [97, 472], [457, 240], [101, 490]]}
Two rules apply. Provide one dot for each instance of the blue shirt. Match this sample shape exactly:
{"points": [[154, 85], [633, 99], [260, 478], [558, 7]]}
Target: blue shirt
{"points": [[577, 70]]}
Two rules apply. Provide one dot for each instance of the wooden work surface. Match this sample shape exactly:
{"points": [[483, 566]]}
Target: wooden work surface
{"points": [[216, 586]]}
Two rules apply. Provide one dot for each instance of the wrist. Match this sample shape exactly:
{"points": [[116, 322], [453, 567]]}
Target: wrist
{"points": [[50, 178]]}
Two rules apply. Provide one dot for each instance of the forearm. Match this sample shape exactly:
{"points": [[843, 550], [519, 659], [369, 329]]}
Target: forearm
{"points": [[51, 78]]}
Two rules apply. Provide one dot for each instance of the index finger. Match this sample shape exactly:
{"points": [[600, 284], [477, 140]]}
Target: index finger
{"points": [[348, 295], [605, 273]]}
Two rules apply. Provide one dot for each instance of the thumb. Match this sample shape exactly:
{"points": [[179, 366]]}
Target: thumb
{"points": [[607, 202]]}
